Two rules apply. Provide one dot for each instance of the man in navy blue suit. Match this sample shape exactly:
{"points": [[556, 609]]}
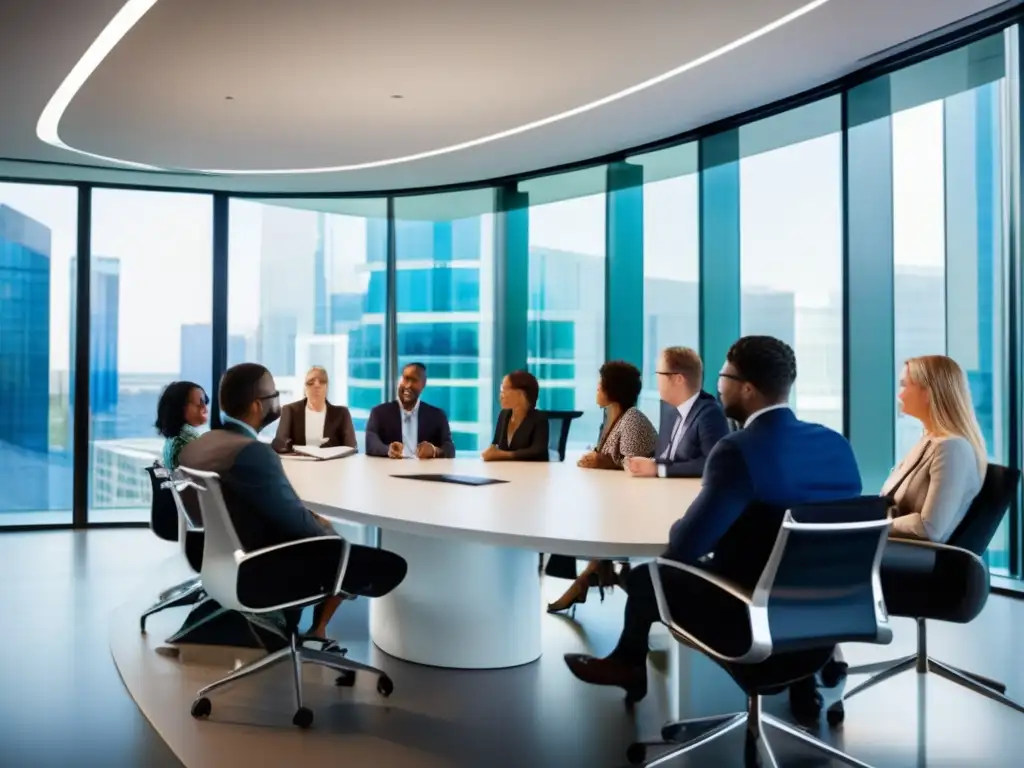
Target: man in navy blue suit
{"points": [[751, 477], [408, 428], [692, 422]]}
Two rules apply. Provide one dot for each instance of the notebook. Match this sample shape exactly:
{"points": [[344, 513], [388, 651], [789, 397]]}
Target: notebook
{"points": [[324, 454], [456, 479]]}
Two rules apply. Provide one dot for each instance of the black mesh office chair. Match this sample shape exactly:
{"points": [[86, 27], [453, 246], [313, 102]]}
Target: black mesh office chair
{"points": [[558, 439], [819, 587], [169, 520], [943, 582]]}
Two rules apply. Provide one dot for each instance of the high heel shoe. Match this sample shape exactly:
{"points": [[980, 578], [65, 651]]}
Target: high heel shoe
{"points": [[574, 595]]}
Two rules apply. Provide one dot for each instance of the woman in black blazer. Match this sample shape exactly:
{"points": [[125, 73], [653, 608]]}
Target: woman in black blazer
{"points": [[522, 431], [314, 421]]}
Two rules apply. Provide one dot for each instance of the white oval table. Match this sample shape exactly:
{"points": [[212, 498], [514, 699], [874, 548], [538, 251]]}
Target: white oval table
{"points": [[471, 599]]}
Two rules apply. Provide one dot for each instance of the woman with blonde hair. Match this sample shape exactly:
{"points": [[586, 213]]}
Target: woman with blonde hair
{"points": [[935, 483], [314, 421]]}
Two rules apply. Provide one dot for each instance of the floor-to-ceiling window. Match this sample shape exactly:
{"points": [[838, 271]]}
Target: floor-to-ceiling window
{"points": [[38, 231], [791, 247], [150, 324], [307, 285], [949, 291], [444, 279], [671, 243], [566, 319]]}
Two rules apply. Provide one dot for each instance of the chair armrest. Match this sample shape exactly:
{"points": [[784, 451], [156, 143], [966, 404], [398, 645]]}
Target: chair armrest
{"points": [[286, 545], [726, 585], [312, 581]]}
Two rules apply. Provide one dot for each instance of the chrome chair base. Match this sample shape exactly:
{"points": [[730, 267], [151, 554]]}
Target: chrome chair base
{"points": [[187, 593], [297, 655], [689, 735]]}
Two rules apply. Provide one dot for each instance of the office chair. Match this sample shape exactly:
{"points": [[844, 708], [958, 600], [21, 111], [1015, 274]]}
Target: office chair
{"points": [[820, 586], [170, 521], [272, 579], [944, 582], [559, 566]]}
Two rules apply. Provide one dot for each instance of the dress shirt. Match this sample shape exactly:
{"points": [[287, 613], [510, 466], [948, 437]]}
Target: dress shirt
{"points": [[410, 430], [232, 420], [315, 426], [677, 432], [755, 414]]}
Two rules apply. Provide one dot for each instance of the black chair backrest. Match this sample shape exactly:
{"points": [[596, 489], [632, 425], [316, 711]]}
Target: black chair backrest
{"points": [[986, 512], [163, 515], [821, 583], [558, 434]]}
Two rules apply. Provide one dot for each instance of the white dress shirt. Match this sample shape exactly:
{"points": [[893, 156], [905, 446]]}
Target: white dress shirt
{"points": [[677, 433], [755, 414], [315, 426], [410, 430]]}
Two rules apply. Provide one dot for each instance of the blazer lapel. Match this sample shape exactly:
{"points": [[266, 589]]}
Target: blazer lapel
{"points": [[299, 423]]}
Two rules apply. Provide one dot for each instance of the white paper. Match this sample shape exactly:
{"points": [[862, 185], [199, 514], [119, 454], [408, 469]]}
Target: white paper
{"points": [[324, 453]]}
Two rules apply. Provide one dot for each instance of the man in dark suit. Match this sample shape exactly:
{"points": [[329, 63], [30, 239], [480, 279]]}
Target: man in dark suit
{"points": [[751, 477], [692, 427], [407, 427], [264, 507]]}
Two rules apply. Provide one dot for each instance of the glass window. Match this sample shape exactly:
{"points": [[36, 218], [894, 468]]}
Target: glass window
{"points": [[948, 233], [566, 317], [671, 261], [151, 307], [304, 278], [38, 236], [444, 254], [791, 247]]}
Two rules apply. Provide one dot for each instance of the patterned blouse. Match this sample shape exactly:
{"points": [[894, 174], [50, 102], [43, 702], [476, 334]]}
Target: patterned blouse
{"points": [[632, 435], [173, 445]]}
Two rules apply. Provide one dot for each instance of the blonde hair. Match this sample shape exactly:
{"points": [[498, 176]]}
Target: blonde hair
{"points": [[320, 371], [949, 400]]}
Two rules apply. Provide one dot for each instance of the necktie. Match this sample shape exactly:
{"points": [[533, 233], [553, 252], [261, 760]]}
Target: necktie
{"points": [[672, 438]]}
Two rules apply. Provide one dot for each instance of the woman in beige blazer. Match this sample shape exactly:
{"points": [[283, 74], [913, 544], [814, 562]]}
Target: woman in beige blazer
{"points": [[937, 480]]}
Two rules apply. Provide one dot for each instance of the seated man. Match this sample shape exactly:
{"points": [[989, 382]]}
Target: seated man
{"points": [[264, 507], [685, 440], [752, 476], [408, 428]]}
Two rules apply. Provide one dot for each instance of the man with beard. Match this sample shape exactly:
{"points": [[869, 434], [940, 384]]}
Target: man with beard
{"points": [[751, 478], [264, 508], [408, 428]]}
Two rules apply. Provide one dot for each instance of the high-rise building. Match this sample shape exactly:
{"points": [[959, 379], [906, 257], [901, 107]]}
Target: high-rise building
{"points": [[25, 320], [197, 354], [104, 325]]}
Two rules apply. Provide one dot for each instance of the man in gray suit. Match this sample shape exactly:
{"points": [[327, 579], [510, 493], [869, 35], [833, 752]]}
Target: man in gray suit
{"points": [[264, 508], [692, 421]]}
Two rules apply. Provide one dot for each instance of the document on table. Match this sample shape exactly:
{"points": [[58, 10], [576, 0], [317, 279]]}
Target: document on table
{"points": [[324, 454]]}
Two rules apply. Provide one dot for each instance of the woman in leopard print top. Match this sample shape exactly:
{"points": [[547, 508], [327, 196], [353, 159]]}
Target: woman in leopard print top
{"points": [[627, 432]]}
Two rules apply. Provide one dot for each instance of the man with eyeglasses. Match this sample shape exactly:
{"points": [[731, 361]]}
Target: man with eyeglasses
{"points": [[751, 477], [264, 508], [691, 422]]}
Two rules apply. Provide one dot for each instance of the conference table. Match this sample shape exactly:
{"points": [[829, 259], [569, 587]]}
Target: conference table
{"points": [[472, 596]]}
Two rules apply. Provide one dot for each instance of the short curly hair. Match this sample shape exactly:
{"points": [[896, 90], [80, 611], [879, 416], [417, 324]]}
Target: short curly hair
{"points": [[526, 383], [170, 410], [766, 363], [621, 383]]}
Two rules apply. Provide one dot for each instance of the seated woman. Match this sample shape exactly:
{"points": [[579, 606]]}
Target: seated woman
{"points": [[522, 431], [313, 421], [182, 409], [932, 487], [627, 432]]}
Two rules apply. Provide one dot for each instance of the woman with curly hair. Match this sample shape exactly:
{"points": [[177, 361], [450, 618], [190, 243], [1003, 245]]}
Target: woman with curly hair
{"points": [[179, 414], [626, 433]]}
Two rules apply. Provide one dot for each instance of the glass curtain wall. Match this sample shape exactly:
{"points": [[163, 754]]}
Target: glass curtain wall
{"points": [[38, 239]]}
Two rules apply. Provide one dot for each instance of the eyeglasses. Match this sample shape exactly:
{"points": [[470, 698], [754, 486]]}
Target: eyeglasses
{"points": [[732, 376], [203, 402], [668, 373], [316, 380], [269, 397]]}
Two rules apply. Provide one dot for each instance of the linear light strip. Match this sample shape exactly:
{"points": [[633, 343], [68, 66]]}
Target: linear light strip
{"points": [[133, 10]]}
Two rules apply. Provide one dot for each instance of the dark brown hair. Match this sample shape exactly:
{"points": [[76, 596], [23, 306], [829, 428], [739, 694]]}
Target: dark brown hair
{"points": [[526, 383]]}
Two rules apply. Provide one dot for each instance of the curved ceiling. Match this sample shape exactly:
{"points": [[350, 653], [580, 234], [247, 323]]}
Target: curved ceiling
{"points": [[311, 84]]}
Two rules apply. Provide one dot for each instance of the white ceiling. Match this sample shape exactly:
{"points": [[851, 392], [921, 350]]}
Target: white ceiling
{"points": [[312, 81]]}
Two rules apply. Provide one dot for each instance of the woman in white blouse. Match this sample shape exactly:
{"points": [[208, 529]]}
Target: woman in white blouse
{"points": [[314, 421], [935, 483]]}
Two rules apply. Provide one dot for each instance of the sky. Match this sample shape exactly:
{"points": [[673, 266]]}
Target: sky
{"points": [[791, 236]]}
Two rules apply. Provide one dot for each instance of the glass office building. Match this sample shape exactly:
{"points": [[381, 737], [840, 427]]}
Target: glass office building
{"points": [[872, 223]]}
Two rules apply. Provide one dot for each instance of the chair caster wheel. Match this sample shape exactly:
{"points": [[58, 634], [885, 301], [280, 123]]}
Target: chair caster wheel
{"points": [[303, 717], [201, 708], [345, 680], [833, 673], [384, 686], [636, 753], [836, 714]]}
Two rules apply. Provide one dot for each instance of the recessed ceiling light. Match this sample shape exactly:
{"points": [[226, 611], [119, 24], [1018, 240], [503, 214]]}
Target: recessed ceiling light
{"points": [[229, 98], [397, 96], [133, 10]]}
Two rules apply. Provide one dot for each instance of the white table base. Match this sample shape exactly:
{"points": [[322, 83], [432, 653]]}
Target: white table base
{"points": [[462, 605]]}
